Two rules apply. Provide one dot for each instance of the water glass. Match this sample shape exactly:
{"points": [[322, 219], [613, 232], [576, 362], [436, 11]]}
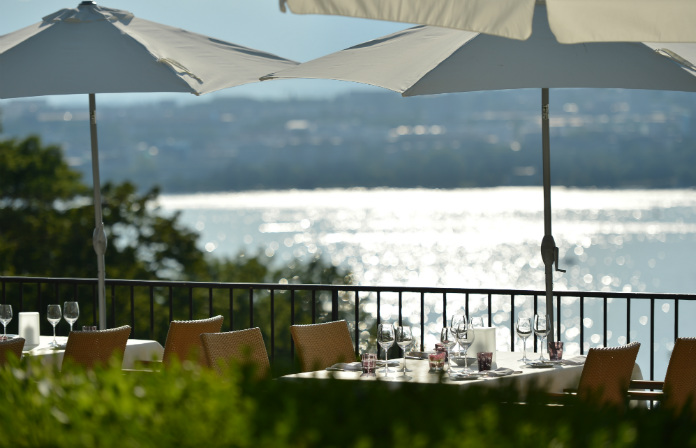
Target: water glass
{"points": [[555, 351], [436, 361], [485, 360], [369, 364], [5, 318]]}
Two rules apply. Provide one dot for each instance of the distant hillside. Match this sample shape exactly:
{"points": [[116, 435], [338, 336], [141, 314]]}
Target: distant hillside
{"points": [[599, 138]]}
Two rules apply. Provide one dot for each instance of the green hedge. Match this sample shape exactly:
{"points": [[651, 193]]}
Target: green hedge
{"points": [[187, 406]]}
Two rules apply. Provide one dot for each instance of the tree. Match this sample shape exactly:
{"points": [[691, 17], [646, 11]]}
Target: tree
{"points": [[47, 220]]}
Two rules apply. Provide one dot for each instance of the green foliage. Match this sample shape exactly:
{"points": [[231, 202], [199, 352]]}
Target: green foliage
{"points": [[186, 406]]}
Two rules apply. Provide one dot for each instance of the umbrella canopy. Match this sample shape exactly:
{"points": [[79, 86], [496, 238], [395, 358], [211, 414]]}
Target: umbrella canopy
{"points": [[92, 49], [572, 21], [428, 60]]}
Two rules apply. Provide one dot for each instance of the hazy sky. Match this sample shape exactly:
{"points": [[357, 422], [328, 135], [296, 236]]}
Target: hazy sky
{"points": [[257, 24]]}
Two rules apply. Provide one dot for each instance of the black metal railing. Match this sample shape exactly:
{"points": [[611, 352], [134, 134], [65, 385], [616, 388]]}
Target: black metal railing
{"points": [[149, 306]]}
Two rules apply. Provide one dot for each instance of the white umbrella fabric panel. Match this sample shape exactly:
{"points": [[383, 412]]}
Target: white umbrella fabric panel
{"points": [[430, 60], [572, 21], [93, 49]]}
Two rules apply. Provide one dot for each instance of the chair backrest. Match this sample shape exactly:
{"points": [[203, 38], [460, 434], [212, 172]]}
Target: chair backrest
{"points": [[91, 348], [11, 347], [184, 339], [680, 379], [321, 345], [242, 346], [606, 375]]}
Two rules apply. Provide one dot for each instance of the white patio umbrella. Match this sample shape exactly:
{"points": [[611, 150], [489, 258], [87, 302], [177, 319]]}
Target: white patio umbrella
{"points": [[92, 49], [429, 60], [572, 21]]}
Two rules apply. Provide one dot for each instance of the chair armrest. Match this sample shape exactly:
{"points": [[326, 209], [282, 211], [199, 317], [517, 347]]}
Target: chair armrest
{"points": [[646, 384], [645, 395], [147, 365], [137, 371]]}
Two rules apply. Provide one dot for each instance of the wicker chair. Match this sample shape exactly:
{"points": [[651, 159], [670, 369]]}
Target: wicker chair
{"points": [[11, 347], [184, 339], [243, 346], [321, 345], [679, 387], [92, 348], [607, 374]]}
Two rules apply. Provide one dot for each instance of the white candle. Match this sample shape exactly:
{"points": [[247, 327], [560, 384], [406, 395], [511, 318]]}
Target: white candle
{"points": [[29, 323]]}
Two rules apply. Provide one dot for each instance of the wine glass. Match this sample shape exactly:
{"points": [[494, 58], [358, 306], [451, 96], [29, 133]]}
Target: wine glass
{"points": [[449, 340], [71, 311], [5, 318], [465, 336], [524, 331], [404, 338], [541, 329], [385, 338], [454, 324], [54, 316]]}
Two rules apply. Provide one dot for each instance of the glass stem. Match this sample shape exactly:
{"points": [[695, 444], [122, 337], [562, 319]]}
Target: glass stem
{"points": [[524, 349], [54, 334]]}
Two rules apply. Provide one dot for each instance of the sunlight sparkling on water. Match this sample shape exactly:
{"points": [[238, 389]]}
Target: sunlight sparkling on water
{"points": [[626, 240]]}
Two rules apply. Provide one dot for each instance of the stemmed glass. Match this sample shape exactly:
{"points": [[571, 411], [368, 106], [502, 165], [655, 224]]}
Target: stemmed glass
{"points": [[449, 340], [541, 329], [465, 336], [524, 331], [385, 338], [456, 320], [71, 311], [404, 338], [5, 318], [54, 316], [477, 321]]}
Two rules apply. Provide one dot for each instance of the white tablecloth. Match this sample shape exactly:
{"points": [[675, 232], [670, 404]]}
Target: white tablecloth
{"points": [[136, 350], [554, 379]]}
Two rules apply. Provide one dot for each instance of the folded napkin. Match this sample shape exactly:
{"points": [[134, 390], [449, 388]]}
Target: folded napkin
{"points": [[574, 361], [347, 366], [500, 371]]}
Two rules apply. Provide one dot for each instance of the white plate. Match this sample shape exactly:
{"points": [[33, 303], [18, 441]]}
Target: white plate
{"points": [[464, 377]]}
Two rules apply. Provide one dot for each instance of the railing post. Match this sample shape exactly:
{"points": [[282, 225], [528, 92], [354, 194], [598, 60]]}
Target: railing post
{"points": [[334, 304]]}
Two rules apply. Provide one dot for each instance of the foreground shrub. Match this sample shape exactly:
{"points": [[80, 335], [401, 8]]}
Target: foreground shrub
{"points": [[186, 406]]}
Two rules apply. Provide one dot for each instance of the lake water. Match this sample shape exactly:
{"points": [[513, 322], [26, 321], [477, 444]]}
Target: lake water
{"points": [[609, 240]]}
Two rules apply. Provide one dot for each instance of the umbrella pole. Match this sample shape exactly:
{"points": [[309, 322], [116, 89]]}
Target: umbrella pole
{"points": [[549, 251], [99, 236]]}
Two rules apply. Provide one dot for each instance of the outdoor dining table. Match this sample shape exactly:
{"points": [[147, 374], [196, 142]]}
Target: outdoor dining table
{"points": [[553, 376], [136, 350]]}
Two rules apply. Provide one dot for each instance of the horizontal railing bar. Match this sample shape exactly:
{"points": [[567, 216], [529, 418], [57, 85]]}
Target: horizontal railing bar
{"points": [[347, 288]]}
